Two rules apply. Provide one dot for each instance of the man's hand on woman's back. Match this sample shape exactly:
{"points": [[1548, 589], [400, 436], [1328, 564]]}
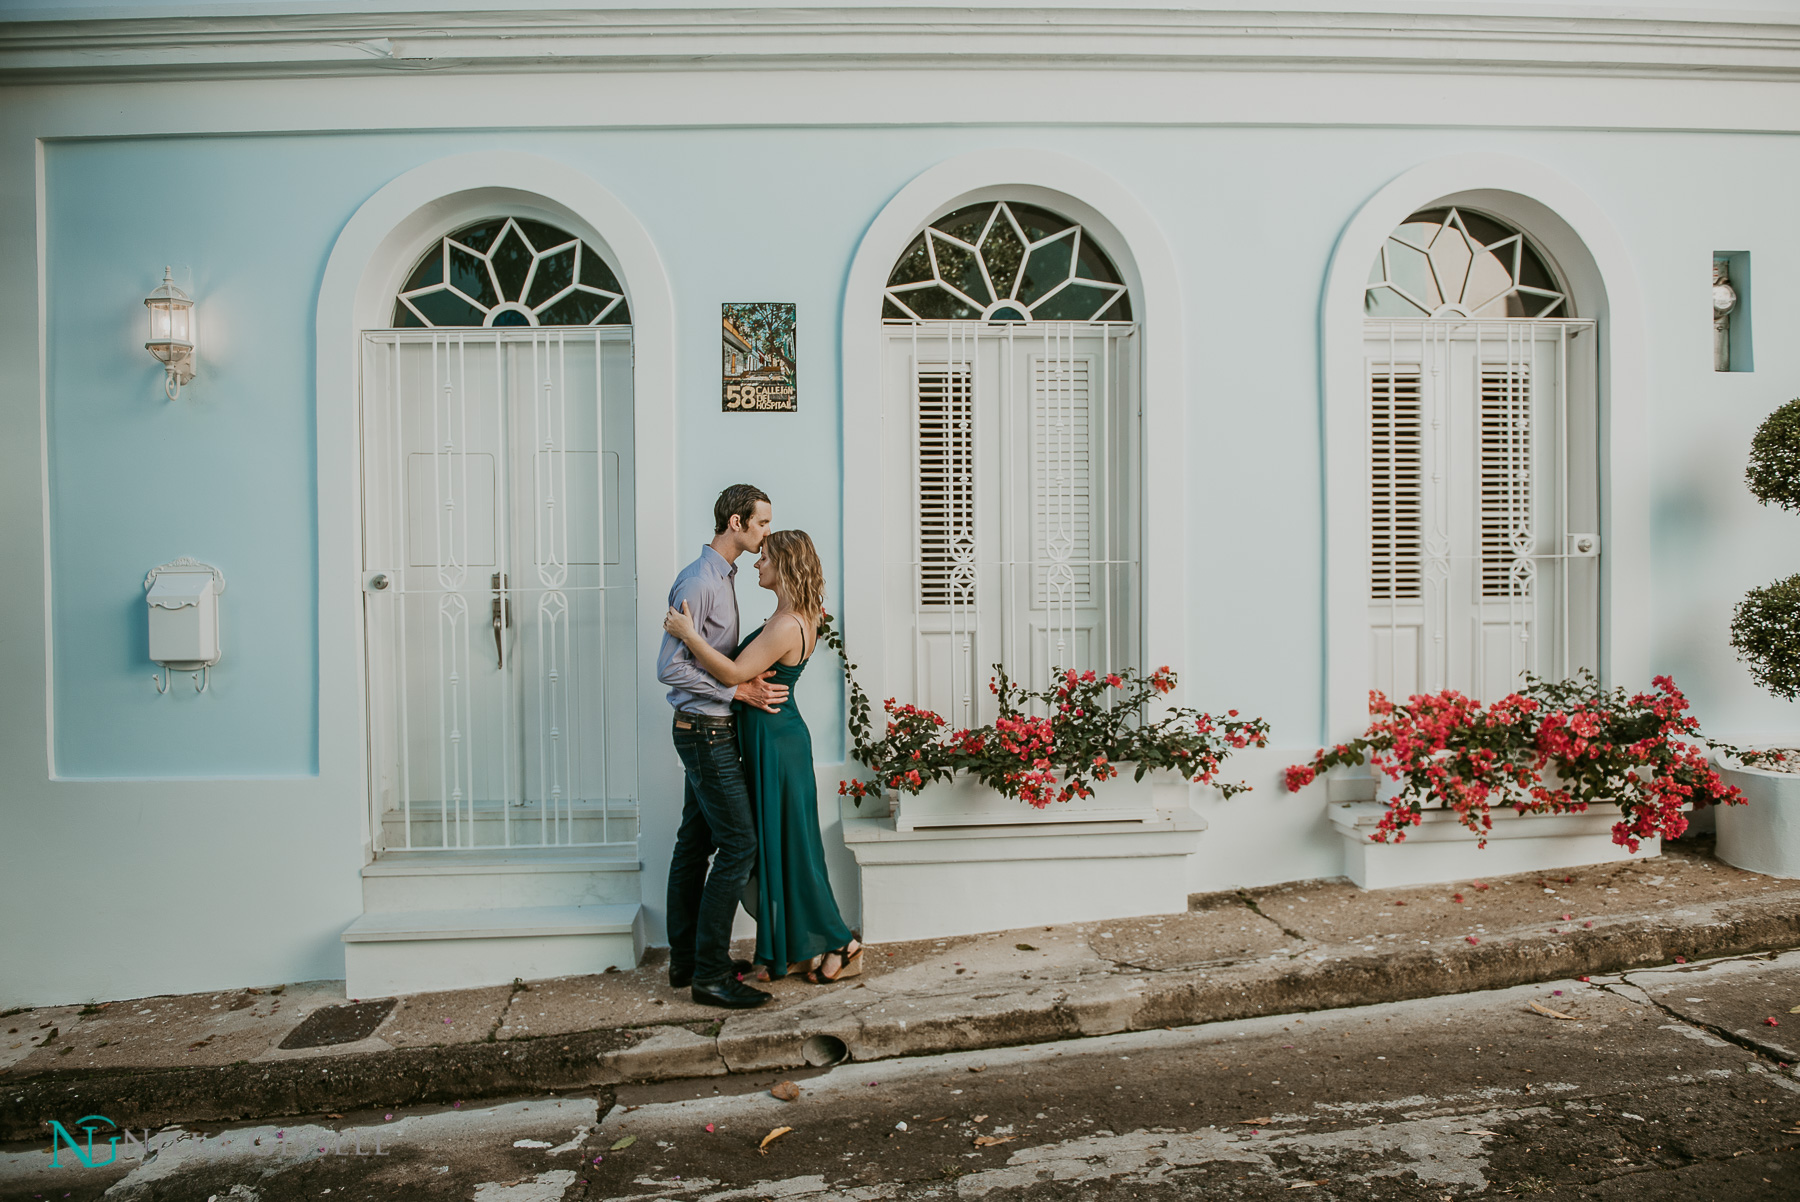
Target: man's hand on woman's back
{"points": [[763, 693]]}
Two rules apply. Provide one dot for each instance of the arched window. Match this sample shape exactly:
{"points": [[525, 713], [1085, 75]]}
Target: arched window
{"points": [[1483, 462], [1448, 263], [511, 271], [1005, 262], [1012, 366]]}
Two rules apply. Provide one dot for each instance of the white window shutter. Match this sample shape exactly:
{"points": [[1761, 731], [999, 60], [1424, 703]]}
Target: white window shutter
{"points": [[1062, 468], [1396, 485], [945, 409], [1506, 538]]}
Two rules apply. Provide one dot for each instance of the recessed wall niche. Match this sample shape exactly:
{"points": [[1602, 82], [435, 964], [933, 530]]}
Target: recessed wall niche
{"points": [[1731, 311]]}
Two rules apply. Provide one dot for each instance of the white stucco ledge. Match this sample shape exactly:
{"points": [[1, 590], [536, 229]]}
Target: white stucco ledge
{"points": [[931, 884], [1441, 849]]}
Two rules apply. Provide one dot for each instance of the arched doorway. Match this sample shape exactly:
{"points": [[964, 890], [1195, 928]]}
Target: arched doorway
{"points": [[1483, 461], [1011, 364], [499, 546]]}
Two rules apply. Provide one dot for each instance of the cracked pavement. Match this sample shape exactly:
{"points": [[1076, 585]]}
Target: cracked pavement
{"points": [[1649, 1085], [1597, 1092]]}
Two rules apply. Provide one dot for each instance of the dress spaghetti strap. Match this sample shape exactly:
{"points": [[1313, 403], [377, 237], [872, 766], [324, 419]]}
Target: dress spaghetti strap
{"points": [[805, 654]]}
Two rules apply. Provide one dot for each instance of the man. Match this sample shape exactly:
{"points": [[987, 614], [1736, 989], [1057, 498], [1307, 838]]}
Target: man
{"points": [[715, 812]]}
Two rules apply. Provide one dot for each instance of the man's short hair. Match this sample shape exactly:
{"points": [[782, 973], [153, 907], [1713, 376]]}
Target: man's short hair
{"points": [[739, 499]]}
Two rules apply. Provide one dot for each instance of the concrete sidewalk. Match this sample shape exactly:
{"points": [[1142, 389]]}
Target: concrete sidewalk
{"points": [[306, 1049]]}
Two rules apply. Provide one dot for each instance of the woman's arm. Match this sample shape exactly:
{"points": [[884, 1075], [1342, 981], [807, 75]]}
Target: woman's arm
{"points": [[757, 658]]}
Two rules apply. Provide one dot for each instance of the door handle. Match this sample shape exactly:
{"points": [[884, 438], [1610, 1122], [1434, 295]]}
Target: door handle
{"points": [[502, 617]]}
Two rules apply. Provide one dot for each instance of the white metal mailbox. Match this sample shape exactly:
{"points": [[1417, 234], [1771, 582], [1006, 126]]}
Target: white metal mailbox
{"points": [[184, 616]]}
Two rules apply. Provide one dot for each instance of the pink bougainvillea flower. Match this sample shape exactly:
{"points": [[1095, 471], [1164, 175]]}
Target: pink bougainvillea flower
{"points": [[1588, 923], [1681, 959], [1472, 938]]}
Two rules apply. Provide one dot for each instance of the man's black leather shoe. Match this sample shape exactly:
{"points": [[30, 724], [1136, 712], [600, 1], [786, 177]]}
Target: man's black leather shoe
{"points": [[681, 978], [730, 993]]}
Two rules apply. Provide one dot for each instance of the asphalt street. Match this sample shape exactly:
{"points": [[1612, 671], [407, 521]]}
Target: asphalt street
{"points": [[1664, 1084]]}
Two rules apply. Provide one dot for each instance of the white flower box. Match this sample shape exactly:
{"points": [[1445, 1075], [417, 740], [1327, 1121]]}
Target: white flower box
{"points": [[965, 801], [1763, 835], [960, 859], [1440, 849]]}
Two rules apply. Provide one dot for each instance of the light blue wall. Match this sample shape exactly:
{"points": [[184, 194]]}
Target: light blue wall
{"points": [[261, 876], [227, 473]]}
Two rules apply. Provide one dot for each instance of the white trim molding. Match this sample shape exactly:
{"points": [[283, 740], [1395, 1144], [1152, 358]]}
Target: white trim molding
{"points": [[172, 41], [1107, 211], [370, 259], [1602, 280]]}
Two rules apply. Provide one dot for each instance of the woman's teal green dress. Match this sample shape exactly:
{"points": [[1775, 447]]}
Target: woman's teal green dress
{"points": [[796, 916]]}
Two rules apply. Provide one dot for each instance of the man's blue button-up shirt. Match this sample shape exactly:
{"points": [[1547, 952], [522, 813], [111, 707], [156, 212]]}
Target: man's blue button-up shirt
{"points": [[708, 585]]}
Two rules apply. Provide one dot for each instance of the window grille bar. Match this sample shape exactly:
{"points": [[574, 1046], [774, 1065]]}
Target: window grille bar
{"points": [[1562, 497], [1102, 499], [444, 669], [502, 535], [1009, 530], [914, 440], [605, 723], [969, 352], [405, 748]]}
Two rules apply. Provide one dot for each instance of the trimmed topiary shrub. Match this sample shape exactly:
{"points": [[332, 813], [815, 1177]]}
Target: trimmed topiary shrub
{"points": [[1765, 627], [1774, 471], [1765, 630]]}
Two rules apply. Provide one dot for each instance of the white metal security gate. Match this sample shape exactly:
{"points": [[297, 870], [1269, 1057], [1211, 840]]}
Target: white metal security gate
{"points": [[1012, 484], [499, 580], [1484, 503]]}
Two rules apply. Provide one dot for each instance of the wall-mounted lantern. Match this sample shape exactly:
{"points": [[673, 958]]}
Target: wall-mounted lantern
{"points": [[172, 333]]}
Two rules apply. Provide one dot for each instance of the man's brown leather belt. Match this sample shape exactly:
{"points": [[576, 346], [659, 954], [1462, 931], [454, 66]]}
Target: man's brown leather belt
{"points": [[688, 718]]}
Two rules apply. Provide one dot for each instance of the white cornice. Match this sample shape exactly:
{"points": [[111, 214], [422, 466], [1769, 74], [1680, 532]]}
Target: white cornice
{"points": [[339, 43]]}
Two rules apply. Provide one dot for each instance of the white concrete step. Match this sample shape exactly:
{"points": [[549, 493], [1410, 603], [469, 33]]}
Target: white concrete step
{"points": [[470, 879], [419, 951]]}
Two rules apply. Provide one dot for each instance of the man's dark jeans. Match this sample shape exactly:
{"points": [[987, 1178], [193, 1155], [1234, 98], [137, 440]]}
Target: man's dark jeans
{"points": [[716, 823]]}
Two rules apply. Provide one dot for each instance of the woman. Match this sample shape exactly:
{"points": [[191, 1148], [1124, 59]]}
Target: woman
{"points": [[798, 927]]}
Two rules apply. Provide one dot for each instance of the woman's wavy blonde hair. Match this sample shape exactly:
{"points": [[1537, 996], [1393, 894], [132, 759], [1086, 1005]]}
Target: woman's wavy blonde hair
{"points": [[797, 569]]}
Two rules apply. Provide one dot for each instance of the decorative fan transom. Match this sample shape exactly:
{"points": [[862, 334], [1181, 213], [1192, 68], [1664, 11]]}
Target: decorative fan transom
{"points": [[511, 271], [1005, 262], [1451, 263]]}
